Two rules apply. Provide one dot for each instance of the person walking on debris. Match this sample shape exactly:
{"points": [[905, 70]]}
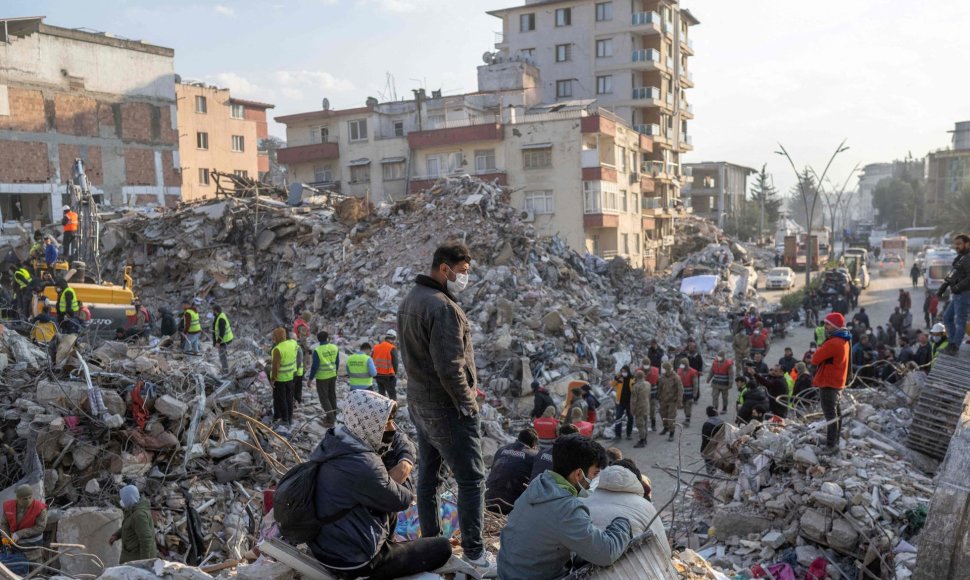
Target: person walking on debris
{"points": [[832, 369], [361, 369], [622, 384], [549, 522], [191, 328], [222, 337], [541, 400], [355, 538], [281, 374], [719, 378], [670, 394], [691, 381], [708, 431], [323, 369], [511, 472], [23, 523], [436, 346], [640, 406], [386, 361], [137, 533], [958, 282]]}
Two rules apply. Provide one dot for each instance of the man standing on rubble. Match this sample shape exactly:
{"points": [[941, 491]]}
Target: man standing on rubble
{"points": [[436, 346], [361, 369], [222, 336], [386, 361], [720, 380], [670, 393], [832, 369], [958, 282], [191, 327], [281, 374], [323, 369]]}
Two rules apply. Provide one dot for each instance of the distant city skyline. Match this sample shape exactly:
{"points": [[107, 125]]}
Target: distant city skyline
{"points": [[880, 73]]}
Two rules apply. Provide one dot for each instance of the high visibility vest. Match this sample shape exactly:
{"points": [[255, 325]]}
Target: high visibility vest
{"points": [[383, 359], [227, 336], [790, 382], [819, 335], [687, 379], [327, 365], [29, 519], [22, 277], [759, 341], [194, 325], [287, 350], [721, 372], [938, 348], [357, 371], [71, 225], [67, 298]]}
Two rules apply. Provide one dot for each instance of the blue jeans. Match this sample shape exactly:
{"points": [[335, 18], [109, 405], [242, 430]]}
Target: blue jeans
{"points": [[445, 436], [192, 343], [955, 317]]}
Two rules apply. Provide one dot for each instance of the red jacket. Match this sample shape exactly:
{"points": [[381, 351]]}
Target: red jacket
{"points": [[832, 362]]}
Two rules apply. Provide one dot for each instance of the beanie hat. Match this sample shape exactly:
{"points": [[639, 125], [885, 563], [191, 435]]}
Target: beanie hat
{"points": [[129, 496], [835, 319], [24, 491]]}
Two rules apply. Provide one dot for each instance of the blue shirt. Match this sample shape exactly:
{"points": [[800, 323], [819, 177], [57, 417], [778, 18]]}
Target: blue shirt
{"points": [[50, 254]]}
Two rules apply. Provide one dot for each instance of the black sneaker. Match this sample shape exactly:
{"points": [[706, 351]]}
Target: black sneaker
{"points": [[671, 436]]}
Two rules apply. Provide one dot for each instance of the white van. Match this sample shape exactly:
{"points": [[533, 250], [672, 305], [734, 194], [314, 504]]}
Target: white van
{"points": [[936, 266]]}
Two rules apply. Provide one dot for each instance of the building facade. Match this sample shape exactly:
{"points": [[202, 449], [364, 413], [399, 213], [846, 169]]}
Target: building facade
{"points": [[948, 172], [869, 178], [67, 94], [218, 133], [718, 189]]}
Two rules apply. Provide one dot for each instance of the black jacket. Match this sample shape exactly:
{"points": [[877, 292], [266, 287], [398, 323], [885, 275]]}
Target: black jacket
{"points": [[803, 387], [924, 355], [510, 475], [709, 429], [694, 361], [959, 277], [777, 391], [787, 363], [656, 356], [542, 462], [540, 401]]}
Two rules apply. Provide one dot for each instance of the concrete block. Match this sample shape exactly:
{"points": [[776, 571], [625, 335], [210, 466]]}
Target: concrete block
{"points": [[90, 527], [729, 524], [265, 570], [806, 456], [171, 407], [67, 393], [774, 540], [843, 536], [814, 524], [837, 503]]}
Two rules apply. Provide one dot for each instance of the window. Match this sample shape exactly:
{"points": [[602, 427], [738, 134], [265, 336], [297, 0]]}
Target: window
{"points": [[237, 111], [201, 106], [433, 165], [201, 140], [203, 176], [322, 174], [360, 174], [562, 52], [537, 158], [591, 197], [564, 16], [604, 85], [527, 22], [604, 48], [455, 162], [241, 173], [358, 130], [238, 143], [564, 89], [484, 160], [604, 11], [320, 135], [624, 207], [393, 171], [399, 128], [539, 202], [626, 243], [620, 155], [529, 53], [435, 121]]}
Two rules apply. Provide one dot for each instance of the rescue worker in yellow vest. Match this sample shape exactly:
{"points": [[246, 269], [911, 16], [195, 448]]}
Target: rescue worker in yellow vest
{"points": [[386, 361], [360, 369], [70, 233], [23, 282], [281, 374], [222, 336], [67, 304], [323, 369], [191, 328]]}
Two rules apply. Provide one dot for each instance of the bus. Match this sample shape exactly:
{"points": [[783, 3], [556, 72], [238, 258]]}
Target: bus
{"points": [[918, 238]]}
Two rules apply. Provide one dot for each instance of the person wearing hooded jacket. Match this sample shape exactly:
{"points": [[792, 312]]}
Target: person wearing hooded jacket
{"points": [[362, 483], [619, 493], [832, 369], [137, 533]]}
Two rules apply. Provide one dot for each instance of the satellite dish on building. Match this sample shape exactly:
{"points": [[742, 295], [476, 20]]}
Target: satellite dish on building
{"points": [[326, 104], [488, 57]]}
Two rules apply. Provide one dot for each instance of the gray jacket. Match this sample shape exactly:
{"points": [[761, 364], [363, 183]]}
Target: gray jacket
{"points": [[436, 346], [535, 549]]}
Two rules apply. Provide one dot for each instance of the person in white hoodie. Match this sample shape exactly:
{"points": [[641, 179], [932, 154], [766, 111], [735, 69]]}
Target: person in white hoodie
{"points": [[619, 493]]}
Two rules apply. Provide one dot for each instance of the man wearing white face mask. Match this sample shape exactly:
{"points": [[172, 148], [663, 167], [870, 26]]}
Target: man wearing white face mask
{"points": [[436, 345]]}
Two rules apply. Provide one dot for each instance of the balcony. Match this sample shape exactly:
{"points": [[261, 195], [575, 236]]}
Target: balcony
{"points": [[654, 169], [650, 205], [590, 158], [456, 132], [649, 94], [687, 78], [687, 142], [646, 22], [687, 45], [646, 59], [307, 153], [652, 130], [687, 110]]}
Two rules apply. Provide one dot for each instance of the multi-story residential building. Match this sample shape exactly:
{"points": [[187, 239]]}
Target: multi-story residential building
{"points": [[631, 56], [218, 132], [718, 189], [870, 176], [67, 94], [948, 172], [576, 169]]}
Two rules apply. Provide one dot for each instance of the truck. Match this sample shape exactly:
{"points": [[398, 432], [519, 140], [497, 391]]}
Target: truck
{"points": [[795, 250], [895, 245]]}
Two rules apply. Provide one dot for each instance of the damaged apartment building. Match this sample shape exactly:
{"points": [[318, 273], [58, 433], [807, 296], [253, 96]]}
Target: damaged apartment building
{"points": [[68, 93]]}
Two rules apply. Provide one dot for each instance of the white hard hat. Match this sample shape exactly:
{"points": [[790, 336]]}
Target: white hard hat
{"points": [[938, 328], [391, 333], [66, 208]]}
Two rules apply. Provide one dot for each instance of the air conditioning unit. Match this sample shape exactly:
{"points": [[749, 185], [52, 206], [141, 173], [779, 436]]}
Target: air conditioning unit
{"points": [[528, 216]]}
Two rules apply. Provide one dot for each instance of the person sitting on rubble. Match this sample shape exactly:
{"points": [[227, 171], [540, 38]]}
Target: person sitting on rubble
{"points": [[23, 523], [511, 472], [550, 523], [543, 460], [137, 533], [752, 401], [541, 400], [577, 403], [619, 493], [576, 419], [368, 452], [776, 387]]}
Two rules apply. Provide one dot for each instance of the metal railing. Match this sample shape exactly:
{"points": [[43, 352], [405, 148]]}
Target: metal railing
{"points": [[650, 129], [645, 18], [646, 55], [646, 93], [650, 203]]}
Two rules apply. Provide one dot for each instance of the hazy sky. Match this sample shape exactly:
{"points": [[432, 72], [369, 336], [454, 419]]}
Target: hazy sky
{"points": [[890, 76]]}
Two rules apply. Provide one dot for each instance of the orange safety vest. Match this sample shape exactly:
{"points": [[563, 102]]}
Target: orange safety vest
{"points": [[71, 225], [721, 372], [10, 512], [546, 427], [383, 359], [759, 340]]}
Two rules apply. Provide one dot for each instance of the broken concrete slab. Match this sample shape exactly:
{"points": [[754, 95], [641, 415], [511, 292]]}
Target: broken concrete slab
{"points": [[728, 523], [171, 407], [90, 527]]}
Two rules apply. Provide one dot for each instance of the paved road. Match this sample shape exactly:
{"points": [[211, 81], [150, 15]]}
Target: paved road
{"points": [[879, 301]]}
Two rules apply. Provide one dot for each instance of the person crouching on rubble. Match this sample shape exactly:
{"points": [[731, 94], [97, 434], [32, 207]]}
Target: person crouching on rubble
{"points": [[23, 522], [511, 472], [832, 364], [549, 522], [362, 483]]}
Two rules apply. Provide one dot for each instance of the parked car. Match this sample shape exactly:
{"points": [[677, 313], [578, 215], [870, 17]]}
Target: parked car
{"points": [[891, 264], [779, 278]]}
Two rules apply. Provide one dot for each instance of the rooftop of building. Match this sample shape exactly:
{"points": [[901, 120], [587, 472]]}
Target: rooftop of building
{"points": [[27, 26], [498, 13], [714, 164]]}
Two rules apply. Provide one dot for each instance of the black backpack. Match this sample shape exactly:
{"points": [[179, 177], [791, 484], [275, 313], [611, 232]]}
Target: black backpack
{"points": [[295, 507]]}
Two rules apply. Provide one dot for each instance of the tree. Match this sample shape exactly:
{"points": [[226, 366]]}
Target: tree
{"points": [[899, 202], [956, 217], [798, 207], [764, 194], [744, 225]]}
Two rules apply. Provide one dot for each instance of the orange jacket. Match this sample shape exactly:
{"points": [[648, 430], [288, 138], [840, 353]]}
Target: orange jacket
{"points": [[70, 221], [383, 359], [832, 362]]}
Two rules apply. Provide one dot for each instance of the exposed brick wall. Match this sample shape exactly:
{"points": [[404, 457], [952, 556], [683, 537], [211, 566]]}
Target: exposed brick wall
{"points": [[26, 111], [136, 121], [259, 116], [76, 115], [171, 177], [24, 162], [139, 167], [169, 136], [91, 156], [106, 120]]}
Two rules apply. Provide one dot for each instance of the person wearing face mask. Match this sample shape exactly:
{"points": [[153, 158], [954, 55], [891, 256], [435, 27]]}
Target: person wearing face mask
{"points": [[137, 533], [832, 363], [623, 384], [719, 378], [691, 380], [435, 339], [549, 522], [362, 483], [938, 340]]}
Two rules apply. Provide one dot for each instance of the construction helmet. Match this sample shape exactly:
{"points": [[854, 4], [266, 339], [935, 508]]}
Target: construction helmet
{"points": [[66, 208], [938, 328], [391, 333]]}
